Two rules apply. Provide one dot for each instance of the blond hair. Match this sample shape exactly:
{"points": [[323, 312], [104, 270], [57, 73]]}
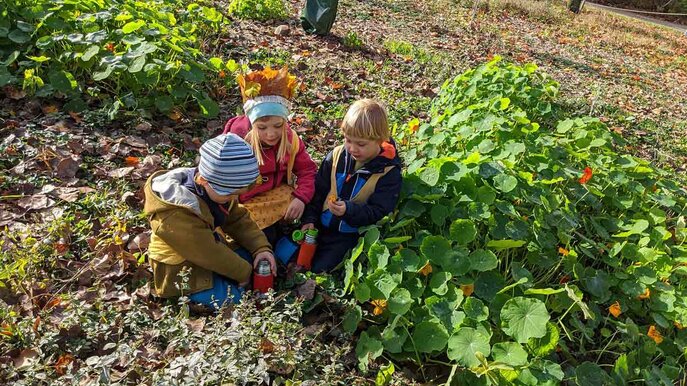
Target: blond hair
{"points": [[253, 139], [367, 119]]}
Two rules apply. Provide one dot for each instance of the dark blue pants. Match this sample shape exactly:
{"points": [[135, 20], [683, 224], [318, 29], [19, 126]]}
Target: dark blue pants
{"points": [[331, 249]]}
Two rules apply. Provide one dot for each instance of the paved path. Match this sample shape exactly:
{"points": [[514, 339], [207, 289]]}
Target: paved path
{"points": [[647, 18]]}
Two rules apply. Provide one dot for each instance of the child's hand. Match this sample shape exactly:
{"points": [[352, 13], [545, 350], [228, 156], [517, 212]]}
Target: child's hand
{"points": [[295, 210], [265, 255], [307, 226], [338, 208]]}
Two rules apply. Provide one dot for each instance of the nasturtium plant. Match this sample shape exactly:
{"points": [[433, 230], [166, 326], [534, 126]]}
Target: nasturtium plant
{"points": [[465, 344], [430, 336], [509, 353], [520, 233], [524, 318], [122, 54]]}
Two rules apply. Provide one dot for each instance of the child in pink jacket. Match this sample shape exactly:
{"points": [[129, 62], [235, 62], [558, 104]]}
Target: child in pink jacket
{"points": [[287, 171]]}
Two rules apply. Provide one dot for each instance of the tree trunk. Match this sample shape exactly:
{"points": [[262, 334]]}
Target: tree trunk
{"points": [[575, 5]]}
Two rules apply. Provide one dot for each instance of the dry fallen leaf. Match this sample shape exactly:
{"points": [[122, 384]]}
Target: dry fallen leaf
{"points": [[75, 116], [121, 172], [49, 109], [196, 325], [62, 363], [26, 358], [67, 167], [36, 202], [14, 93], [134, 141], [266, 346], [140, 242]]}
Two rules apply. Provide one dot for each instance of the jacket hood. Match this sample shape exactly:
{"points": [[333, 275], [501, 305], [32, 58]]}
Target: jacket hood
{"points": [[164, 191], [387, 157]]}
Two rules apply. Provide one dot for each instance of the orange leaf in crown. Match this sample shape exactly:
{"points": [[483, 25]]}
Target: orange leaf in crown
{"points": [[270, 81]]}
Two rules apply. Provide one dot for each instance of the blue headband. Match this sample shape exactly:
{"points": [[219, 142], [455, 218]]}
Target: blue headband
{"points": [[265, 109]]}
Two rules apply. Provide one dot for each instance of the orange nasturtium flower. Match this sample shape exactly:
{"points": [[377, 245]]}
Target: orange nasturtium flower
{"points": [[654, 334], [645, 295], [6, 330], [563, 251], [586, 175], [426, 269], [380, 306], [413, 127], [615, 309], [468, 289]]}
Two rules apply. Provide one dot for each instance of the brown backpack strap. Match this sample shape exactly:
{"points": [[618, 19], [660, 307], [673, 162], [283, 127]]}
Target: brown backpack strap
{"points": [[370, 185], [336, 154], [365, 192], [295, 147]]}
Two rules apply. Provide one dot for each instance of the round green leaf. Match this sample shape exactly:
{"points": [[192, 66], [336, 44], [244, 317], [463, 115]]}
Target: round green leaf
{"points": [[430, 336], [352, 318], [378, 255], [438, 282], [19, 36], [435, 248], [164, 103], [362, 292], [208, 107], [400, 301], [488, 284], [430, 176], [137, 64], [547, 343], [133, 26], [475, 309], [393, 339], [408, 259], [439, 214], [465, 343], [463, 231], [589, 373], [90, 53], [483, 260], [102, 75], [368, 348], [62, 81], [381, 284], [524, 318], [510, 353], [505, 183]]}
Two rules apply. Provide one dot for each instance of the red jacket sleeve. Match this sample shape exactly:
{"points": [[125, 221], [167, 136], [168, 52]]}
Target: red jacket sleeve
{"points": [[239, 125], [305, 169]]}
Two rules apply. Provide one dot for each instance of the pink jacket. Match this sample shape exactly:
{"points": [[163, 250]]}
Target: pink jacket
{"points": [[272, 175]]}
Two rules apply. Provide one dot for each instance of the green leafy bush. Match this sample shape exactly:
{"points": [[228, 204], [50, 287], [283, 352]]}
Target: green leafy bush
{"points": [[352, 40], [259, 9], [132, 55], [525, 249]]}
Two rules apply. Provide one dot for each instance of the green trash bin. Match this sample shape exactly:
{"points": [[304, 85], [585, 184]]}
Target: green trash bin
{"points": [[318, 16]]}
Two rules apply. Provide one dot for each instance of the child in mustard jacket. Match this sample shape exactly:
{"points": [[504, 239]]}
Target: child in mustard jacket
{"points": [[190, 212]]}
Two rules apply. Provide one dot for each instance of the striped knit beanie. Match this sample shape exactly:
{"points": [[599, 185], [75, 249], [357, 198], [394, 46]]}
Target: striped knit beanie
{"points": [[227, 163]]}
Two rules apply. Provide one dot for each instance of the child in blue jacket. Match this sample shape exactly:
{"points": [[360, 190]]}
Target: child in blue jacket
{"points": [[358, 183]]}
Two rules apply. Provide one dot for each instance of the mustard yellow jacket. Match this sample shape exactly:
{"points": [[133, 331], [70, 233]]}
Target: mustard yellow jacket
{"points": [[183, 236]]}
